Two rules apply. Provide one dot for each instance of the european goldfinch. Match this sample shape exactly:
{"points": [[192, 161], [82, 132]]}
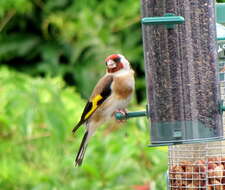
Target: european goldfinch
{"points": [[111, 94]]}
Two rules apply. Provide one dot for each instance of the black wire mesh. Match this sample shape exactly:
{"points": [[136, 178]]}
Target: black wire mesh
{"points": [[197, 166]]}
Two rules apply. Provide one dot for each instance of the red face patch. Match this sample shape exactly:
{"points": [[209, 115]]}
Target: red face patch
{"points": [[112, 57]]}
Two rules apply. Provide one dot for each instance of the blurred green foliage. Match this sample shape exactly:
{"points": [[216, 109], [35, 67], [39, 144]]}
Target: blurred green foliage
{"points": [[70, 38], [38, 149]]}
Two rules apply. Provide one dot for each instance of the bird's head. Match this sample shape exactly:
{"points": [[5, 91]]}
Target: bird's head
{"points": [[116, 62]]}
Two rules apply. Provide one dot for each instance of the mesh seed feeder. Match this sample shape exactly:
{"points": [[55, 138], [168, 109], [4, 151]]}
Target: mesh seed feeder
{"points": [[183, 89]]}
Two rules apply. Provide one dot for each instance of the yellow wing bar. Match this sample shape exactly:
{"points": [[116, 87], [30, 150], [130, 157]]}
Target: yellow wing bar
{"points": [[94, 105]]}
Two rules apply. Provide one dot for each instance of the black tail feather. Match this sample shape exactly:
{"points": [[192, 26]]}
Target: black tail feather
{"points": [[83, 146], [77, 126]]}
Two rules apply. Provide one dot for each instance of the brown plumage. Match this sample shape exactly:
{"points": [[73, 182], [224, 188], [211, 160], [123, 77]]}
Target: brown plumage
{"points": [[119, 82], [112, 93]]}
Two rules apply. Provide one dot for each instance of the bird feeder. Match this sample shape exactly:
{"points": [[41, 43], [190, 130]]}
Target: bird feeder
{"points": [[184, 103], [201, 166]]}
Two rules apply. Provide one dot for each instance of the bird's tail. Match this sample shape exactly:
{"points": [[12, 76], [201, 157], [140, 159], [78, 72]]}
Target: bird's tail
{"points": [[77, 126], [83, 146]]}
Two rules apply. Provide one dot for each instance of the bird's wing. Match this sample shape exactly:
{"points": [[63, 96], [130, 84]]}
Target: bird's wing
{"points": [[100, 93]]}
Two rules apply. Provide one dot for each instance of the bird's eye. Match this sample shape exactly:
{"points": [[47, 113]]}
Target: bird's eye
{"points": [[117, 59]]}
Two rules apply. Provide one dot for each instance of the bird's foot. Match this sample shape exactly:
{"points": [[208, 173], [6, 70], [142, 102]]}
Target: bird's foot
{"points": [[120, 118]]}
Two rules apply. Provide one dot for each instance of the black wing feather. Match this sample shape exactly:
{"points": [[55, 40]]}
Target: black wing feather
{"points": [[87, 108], [106, 92]]}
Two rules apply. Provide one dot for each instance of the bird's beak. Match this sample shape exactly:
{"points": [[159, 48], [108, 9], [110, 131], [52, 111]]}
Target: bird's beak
{"points": [[111, 64]]}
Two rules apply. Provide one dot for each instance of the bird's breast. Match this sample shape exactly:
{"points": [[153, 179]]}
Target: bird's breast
{"points": [[123, 86]]}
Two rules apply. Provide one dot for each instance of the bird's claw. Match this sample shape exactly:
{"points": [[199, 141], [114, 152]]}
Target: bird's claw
{"points": [[123, 112]]}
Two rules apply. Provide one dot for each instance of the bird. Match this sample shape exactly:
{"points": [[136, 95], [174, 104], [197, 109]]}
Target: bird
{"points": [[111, 94]]}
